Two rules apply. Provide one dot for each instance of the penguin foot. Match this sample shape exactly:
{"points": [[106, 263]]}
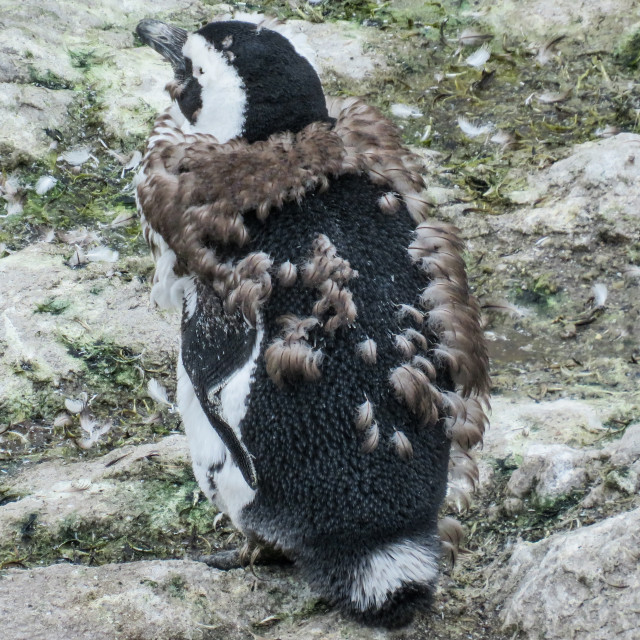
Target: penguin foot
{"points": [[249, 554]]}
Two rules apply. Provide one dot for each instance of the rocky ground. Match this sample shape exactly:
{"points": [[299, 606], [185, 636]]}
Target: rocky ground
{"points": [[528, 120]]}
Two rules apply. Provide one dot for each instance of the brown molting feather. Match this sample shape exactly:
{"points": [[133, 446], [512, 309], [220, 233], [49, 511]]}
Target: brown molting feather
{"points": [[290, 358], [451, 536], [405, 346], [248, 286], [416, 338], [292, 361], [372, 437], [422, 363], [287, 274], [457, 498], [413, 388], [389, 203], [295, 328], [174, 88], [326, 264], [402, 445], [462, 467], [194, 191], [327, 272], [407, 311], [364, 416], [368, 350], [453, 313]]}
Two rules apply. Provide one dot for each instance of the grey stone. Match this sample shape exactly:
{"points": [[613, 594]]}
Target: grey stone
{"points": [[625, 481], [551, 471], [580, 585], [155, 600], [120, 314], [627, 449], [540, 20], [89, 490], [598, 182], [26, 111], [516, 424]]}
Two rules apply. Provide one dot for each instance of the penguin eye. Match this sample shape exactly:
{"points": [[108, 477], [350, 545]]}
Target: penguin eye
{"points": [[198, 72]]}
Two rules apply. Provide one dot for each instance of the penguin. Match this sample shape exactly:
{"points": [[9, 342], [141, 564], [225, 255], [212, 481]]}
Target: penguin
{"points": [[333, 373]]}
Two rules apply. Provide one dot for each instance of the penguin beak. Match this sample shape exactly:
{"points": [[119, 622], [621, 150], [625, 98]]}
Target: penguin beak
{"points": [[166, 40]]}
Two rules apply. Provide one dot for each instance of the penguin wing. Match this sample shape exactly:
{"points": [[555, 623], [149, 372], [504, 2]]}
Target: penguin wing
{"points": [[215, 346]]}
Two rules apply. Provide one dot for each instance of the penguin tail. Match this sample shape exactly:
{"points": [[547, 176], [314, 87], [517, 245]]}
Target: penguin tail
{"points": [[380, 586]]}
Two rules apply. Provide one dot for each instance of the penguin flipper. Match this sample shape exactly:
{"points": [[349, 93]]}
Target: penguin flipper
{"points": [[215, 345]]}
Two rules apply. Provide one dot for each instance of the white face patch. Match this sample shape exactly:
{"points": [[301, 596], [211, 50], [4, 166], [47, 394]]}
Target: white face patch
{"points": [[224, 99]]}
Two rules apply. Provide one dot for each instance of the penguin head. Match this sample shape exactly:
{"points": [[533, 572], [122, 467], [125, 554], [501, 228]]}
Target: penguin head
{"points": [[236, 79]]}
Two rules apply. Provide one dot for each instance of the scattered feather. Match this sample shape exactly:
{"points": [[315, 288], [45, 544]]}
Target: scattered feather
{"points": [[78, 405], [93, 430], [123, 219], [405, 111], [12, 193], [154, 418], [80, 236], [62, 420], [81, 484], [77, 157], [473, 38], [551, 97], [10, 187], [632, 271], [502, 306], [45, 184], [218, 519], [78, 258], [16, 349], [600, 294], [503, 138], [548, 49], [102, 254], [14, 208], [479, 57], [472, 130], [48, 235], [607, 132], [134, 161], [158, 392]]}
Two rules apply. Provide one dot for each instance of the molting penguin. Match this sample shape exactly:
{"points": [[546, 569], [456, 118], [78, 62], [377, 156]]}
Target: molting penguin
{"points": [[333, 372]]}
